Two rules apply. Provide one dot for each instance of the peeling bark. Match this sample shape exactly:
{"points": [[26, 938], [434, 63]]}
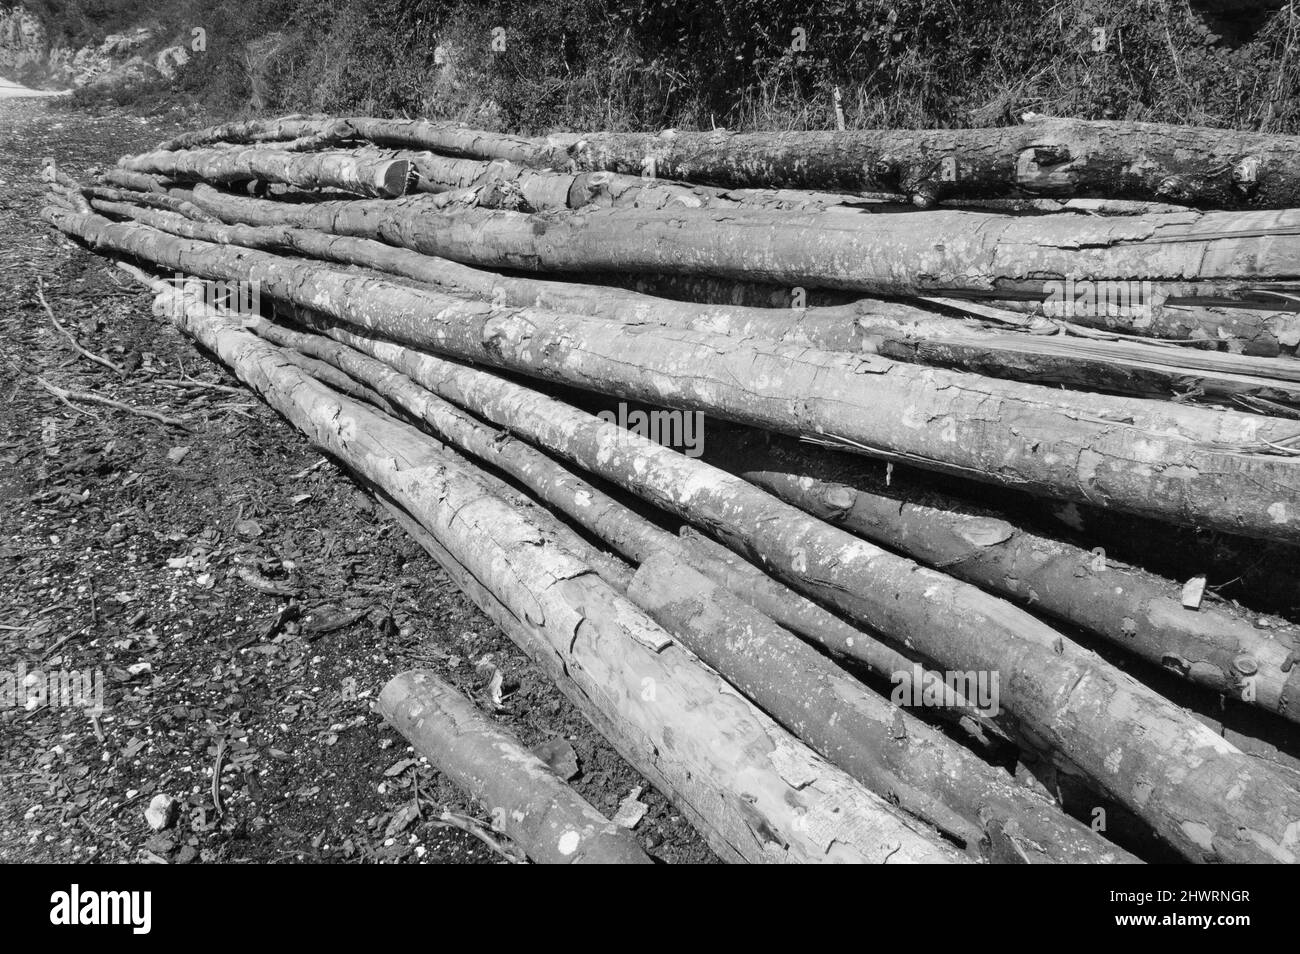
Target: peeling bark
{"points": [[894, 329], [858, 730]]}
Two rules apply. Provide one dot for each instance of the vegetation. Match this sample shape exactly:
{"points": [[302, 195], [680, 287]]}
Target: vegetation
{"points": [[628, 64]]}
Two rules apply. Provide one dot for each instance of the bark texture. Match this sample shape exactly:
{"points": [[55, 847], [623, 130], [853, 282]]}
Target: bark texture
{"points": [[1202, 795]]}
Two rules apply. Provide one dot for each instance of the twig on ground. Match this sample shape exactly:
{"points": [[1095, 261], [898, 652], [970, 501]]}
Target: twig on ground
{"points": [[98, 359], [448, 819], [68, 396], [216, 777]]}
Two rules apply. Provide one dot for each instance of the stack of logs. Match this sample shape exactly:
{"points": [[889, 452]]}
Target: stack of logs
{"points": [[927, 420]]}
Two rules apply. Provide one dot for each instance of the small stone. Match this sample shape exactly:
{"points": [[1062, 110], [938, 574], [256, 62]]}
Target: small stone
{"points": [[161, 812]]}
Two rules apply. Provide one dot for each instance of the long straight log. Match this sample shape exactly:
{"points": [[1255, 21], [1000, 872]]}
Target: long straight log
{"points": [[894, 329], [529, 802], [328, 170], [1212, 646], [1215, 277], [1170, 770], [891, 752], [1212, 168], [756, 793], [1219, 469]]}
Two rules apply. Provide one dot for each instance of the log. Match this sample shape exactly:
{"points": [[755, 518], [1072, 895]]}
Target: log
{"points": [[134, 181], [858, 730], [173, 203], [326, 170], [1212, 168], [895, 329], [1221, 278], [1214, 646], [756, 793], [526, 800], [1217, 469], [1171, 770], [1207, 168], [891, 752]]}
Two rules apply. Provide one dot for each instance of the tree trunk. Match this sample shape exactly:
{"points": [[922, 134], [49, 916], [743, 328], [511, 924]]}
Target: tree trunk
{"points": [[902, 758], [525, 799], [1220, 278], [326, 170], [1211, 645], [757, 793], [1212, 168], [1218, 469], [1208, 168]]}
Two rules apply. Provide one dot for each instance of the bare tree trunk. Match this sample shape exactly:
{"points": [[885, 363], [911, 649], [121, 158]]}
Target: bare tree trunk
{"points": [[1212, 168], [1211, 645], [1219, 469], [525, 799], [326, 170], [857, 729]]}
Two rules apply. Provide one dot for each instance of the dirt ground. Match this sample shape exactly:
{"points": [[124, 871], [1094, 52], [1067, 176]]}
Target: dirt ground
{"points": [[125, 547]]}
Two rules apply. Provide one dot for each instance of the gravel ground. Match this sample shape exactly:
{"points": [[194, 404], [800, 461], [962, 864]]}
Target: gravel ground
{"points": [[125, 547]]}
